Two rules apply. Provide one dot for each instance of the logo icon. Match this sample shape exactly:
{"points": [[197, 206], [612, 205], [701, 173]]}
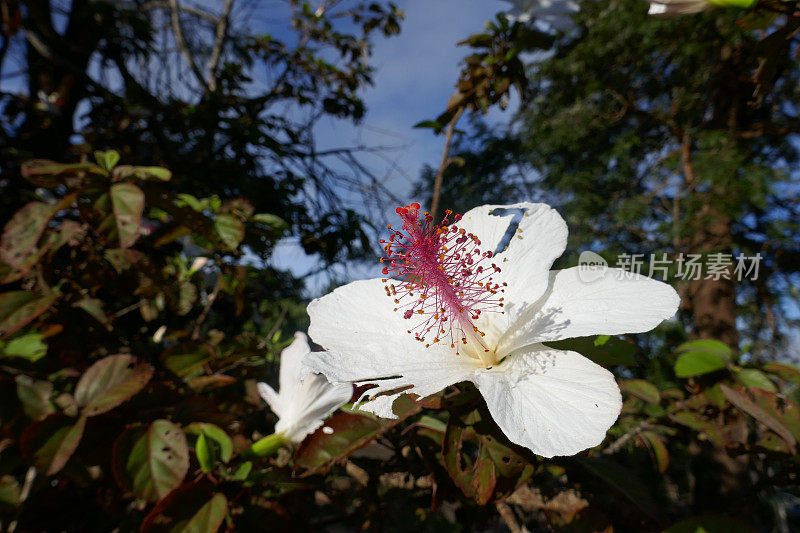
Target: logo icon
{"points": [[591, 266]]}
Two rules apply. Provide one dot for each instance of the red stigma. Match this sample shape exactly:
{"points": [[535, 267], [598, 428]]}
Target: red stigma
{"points": [[439, 274]]}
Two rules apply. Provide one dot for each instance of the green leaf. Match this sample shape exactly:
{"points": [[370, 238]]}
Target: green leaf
{"points": [[210, 432], [152, 462], [642, 389], [107, 160], [698, 363], [229, 229], [49, 443], [128, 203], [205, 454], [698, 423], [110, 382], [712, 346], [189, 509], [31, 347], [350, 433], [187, 359], [35, 397], [752, 377]]}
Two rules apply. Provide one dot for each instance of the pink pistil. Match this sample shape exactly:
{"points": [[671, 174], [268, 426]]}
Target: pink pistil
{"points": [[439, 274]]}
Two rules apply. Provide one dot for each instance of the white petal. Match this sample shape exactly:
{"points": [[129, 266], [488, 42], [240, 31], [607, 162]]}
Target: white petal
{"points": [[540, 239], [291, 364], [675, 8], [315, 400], [419, 372], [358, 318], [618, 302], [550, 401], [271, 397], [526, 255]]}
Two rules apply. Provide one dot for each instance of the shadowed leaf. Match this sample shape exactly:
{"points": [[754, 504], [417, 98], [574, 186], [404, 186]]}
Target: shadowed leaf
{"points": [[188, 509], [50, 443], [110, 382]]}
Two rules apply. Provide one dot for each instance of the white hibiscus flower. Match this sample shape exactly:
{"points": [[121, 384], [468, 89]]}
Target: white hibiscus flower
{"points": [[676, 8], [555, 13], [468, 314], [303, 402]]}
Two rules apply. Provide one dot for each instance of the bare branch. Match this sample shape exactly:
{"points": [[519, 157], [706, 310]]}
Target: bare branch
{"points": [[216, 52], [178, 33], [437, 186], [186, 9]]}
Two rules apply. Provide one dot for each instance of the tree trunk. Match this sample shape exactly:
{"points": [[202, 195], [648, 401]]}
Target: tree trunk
{"points": [[713, 302]]}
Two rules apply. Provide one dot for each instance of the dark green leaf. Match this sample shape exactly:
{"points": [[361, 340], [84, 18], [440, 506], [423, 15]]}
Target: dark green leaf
{"points": [[622, 480], [35, 397], [642, 389], [107, 160]]}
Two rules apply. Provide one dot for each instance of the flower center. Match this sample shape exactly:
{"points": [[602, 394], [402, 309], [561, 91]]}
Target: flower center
{"points": [[438, 275]]}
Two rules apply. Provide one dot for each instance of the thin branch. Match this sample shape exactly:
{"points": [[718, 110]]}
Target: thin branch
{"points": [[617, 445], [216, 52], [178, 33], [437, 184], [186, 9], [508, 517]]}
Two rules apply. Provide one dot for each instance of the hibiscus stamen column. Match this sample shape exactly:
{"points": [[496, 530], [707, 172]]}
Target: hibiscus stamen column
{"points": [[438, 277]]}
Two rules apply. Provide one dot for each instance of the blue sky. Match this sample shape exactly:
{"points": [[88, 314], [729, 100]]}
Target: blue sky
{"points": [[415, 75]]}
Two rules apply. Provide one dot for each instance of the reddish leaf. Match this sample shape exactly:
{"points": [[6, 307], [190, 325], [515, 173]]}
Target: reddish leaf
{"points": [[658, 450], [744, 403], [785, 371], [495, 471], [151, 462], [187, 509], [23, 231], [781, 409], [128, 202], [110, 382], [50, 443], [350, 433]]}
